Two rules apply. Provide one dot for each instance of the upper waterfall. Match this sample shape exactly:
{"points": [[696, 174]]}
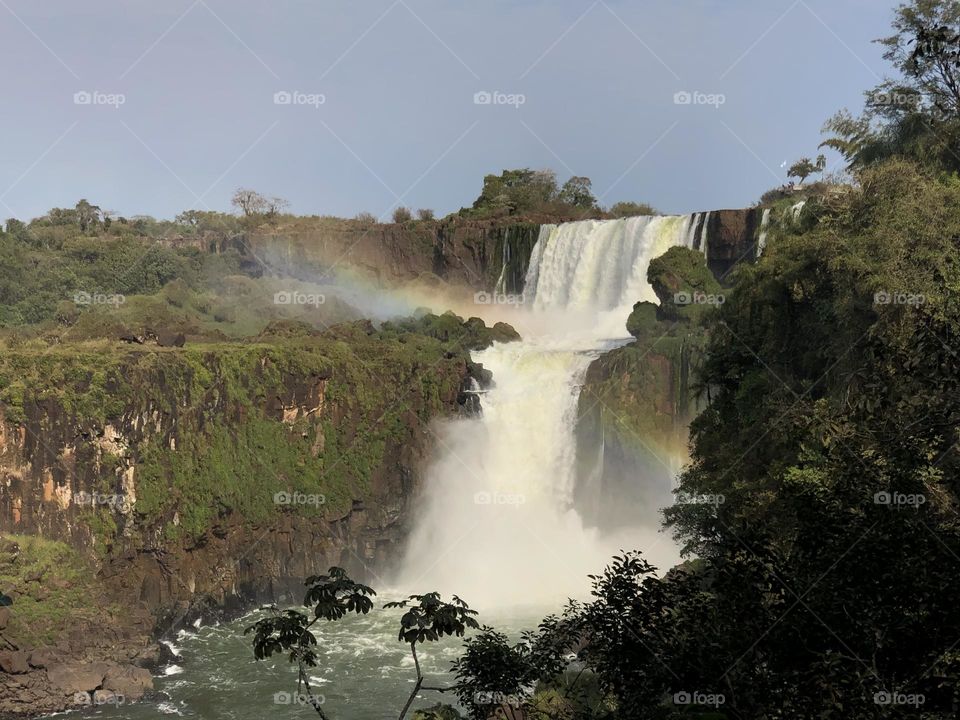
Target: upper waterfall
{"points": [[598, 268]]}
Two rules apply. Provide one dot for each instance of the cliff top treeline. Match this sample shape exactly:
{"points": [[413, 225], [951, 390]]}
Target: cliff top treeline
{"points": [[197, 273]]}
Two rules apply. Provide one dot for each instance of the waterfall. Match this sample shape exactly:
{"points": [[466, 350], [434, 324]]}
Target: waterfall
{"points": [[497, 523], [505, 262], [762, 241]]}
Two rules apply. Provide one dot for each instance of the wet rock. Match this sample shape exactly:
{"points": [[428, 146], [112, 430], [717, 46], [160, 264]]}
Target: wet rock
{"points": [[129, 681]]}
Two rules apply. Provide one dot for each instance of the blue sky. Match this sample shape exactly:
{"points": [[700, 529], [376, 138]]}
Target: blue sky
{"points": [[398, 122]]}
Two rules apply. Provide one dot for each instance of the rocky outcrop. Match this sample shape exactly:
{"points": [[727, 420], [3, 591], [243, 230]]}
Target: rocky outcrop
{"points": [[637, 401], [732, 238]]}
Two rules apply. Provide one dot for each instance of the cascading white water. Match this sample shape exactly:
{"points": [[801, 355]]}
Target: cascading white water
{"points": [[764, 224], [498, 525]]}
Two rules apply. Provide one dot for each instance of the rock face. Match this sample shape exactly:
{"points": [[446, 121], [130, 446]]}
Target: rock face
{"points": [[483, 255], [637, 401], [197, 481], [731, 238], [475, 254]]}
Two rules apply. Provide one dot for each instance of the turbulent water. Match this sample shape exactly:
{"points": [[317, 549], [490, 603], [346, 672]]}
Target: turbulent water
{"points": [[365, 673], [498, 524]]}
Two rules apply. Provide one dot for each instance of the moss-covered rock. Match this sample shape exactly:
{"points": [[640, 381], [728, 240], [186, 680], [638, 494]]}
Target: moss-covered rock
{"points": [[453, 331], [684, 285], [643, 321]]}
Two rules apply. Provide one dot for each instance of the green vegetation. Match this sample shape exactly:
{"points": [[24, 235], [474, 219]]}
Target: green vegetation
{"points": [[805, 167], [52, 588], [631, 209], [428, 618], [648, 386], [222, 446]]}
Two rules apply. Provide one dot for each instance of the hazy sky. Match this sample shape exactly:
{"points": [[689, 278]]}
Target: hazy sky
{"points": [[398, 118]]}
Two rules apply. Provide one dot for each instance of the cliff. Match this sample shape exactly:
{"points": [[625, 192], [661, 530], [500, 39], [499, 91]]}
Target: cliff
{"points": [[476, 254], [197, 480], [637, 401]]}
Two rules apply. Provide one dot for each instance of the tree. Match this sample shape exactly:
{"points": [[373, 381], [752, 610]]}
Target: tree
{"points": [[517, 191], [916, 114], [332, 596], [427, 621], [925, 49], [804, 167], [402, 215], [425, 214], [577, 191], [631, 209], [252, 203], [88, 216]]}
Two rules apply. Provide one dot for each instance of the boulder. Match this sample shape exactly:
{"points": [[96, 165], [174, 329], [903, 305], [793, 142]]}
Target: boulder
{"points": [[69, 679], [107, 697], [43, 658], [127, 680], [14, 663]]}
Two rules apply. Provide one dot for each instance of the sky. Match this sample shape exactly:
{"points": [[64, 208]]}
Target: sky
{"points": [[347, 106]]}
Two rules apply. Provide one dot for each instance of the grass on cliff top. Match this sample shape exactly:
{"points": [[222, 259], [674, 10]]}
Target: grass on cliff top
{"points": [[53, 589]]}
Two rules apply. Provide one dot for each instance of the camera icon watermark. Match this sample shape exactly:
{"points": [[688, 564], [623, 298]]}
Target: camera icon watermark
{"points": [[293, 297], [288, 698], [95, 97], [81, 297], [117, 502], [685, 97], [98, 698], [499, 498], [486, 697], [891, 98], [284, 97], [485, 298], [716, 500], [900, 500], [885, 297], [495, 97], [299, 498], [886, 697], [699, 698], [698, 298]]}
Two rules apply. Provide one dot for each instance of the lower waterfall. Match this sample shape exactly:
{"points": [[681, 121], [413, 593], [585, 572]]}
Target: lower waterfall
{"points": [[497, 523]]}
